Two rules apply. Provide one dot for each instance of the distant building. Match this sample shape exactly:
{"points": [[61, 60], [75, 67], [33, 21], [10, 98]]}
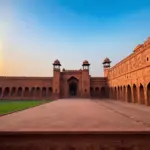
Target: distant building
{"points": [[129, 80]]}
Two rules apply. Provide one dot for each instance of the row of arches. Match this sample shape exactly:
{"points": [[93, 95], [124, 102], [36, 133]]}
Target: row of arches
{"points": [[25, 92], [98, 92], [134, 93]]}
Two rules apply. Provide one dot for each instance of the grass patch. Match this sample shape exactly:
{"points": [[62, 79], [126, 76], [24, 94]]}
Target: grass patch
{"points": [[12, 106]]}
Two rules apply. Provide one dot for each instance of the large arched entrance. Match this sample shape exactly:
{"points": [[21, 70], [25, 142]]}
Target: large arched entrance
{"points": [[73, 86]]}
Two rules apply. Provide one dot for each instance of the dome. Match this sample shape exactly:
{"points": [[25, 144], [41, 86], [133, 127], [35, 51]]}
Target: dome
{"points": [[85, 62], [57, 62], [106, 60]]}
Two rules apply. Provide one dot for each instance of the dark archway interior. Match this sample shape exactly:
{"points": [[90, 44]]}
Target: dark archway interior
{"points": [[129, 93], [115, 93], [73, 89], [0, 91], [141, 94], [6, 92], [135, 93], [148, 93], [73, 86], [103, 92], [13, 91], [44, 91], [91, 91], [19, 93]]}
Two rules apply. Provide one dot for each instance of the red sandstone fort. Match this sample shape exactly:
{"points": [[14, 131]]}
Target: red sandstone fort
{"points": [[129, 80]]}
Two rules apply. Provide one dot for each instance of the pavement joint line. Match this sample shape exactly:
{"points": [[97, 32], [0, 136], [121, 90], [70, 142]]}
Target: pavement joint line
{"points": [[124, 115]]}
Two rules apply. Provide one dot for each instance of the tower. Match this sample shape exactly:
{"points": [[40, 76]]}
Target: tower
{"points": [[85, 79], [56, 78], [106, 64]]}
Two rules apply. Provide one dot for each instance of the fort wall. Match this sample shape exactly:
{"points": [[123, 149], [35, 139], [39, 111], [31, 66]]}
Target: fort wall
{"points": [[26, 87], [129, 80]]}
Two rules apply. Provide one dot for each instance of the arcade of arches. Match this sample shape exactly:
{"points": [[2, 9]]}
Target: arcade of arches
{"points": [[131, 93], [98, 92], [20, 92]]}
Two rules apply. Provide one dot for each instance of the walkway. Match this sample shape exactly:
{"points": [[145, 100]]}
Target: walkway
{"points": [[80, 115]]}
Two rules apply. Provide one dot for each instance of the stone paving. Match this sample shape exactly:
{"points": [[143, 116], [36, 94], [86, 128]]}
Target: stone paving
{"points": [[80, 115]]}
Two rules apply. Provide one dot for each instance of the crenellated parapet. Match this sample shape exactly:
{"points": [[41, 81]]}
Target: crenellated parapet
{"points": [[72, 70], [135, 61], [143, 46]]}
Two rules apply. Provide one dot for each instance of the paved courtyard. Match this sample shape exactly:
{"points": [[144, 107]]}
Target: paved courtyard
{"points": [[80, 115]]}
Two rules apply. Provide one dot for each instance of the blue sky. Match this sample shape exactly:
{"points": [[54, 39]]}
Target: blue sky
{"points": [[35, 33]]}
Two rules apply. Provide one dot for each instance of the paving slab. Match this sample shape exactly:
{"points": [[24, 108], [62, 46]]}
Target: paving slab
{"points": [[79, 115]]}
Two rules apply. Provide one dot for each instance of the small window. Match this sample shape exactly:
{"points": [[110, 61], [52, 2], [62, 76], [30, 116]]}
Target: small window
{"points": [[147, 59]]}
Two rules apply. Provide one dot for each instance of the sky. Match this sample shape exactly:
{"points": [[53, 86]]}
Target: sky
{"points": [[34, 33]]}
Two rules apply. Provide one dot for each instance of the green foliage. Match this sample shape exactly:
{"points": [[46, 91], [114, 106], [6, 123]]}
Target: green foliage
{"points": [[11, 106]]}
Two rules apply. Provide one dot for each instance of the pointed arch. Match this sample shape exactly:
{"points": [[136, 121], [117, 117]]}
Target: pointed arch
{"points": [[33, 90], [19, 92], [115, 93], [37, 91], [124, 93], [118, 93], [135, 96], [97, 89], [97, 92], [13, 91], [1, 91], [112, 93], [26, 92], [121, 89], [103, 92], [50, 91], [148, 93], [129, 95], [141, 94], [91, 91], [6, 92], [44, 92]]}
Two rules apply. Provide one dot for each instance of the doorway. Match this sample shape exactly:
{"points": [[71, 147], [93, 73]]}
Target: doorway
{"points": [[73, 89], [73, 86]]}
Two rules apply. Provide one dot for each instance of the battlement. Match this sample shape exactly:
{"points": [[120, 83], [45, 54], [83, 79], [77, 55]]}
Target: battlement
{"points": [[64, 70], [145, 45]]}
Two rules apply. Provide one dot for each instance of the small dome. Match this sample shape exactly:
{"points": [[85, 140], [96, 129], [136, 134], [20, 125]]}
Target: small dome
{"points": [[56, 62], [86, 62], [106, 60]]}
